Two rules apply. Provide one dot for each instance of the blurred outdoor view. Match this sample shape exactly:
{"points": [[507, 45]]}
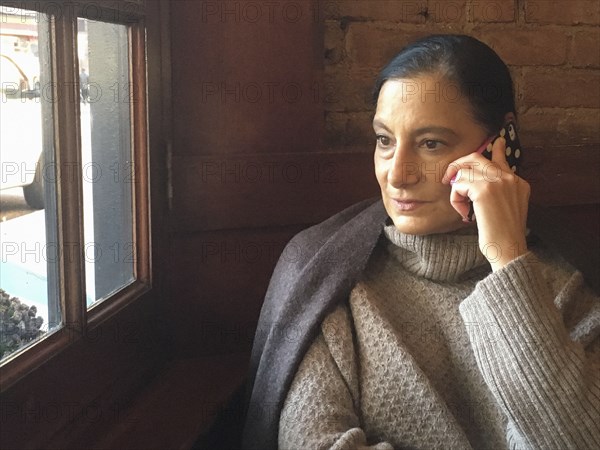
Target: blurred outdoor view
{"points": [[29, 305]]}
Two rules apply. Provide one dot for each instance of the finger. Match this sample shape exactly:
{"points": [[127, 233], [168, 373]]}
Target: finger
{"points": [[460, 200], [499, 153], [462, 167], [451, 173]]}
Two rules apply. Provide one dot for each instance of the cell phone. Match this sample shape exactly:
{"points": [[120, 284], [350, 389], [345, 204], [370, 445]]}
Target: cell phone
{"points": [[513, 146], [513, 151]]}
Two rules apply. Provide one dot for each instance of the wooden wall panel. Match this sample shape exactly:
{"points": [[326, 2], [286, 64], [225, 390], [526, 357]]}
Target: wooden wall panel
{"points": [[267, 190], [217, 286], [563, 176], [246, 77]]}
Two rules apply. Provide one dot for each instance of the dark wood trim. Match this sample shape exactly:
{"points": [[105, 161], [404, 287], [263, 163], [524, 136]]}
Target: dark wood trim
{"points": [[67, 142], [23, 363], [115, 303], [117, 11], [141, 205], [163, 48]]}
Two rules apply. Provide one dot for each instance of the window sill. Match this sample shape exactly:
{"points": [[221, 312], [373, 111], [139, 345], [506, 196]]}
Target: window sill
{"points": [[35, 355]]}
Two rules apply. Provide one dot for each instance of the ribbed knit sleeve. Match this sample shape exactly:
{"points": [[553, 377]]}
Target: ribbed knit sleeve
{"points": [[535, 336]]}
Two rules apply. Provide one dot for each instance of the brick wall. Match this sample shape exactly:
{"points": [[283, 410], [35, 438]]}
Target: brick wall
{"points": [[552, 49]]}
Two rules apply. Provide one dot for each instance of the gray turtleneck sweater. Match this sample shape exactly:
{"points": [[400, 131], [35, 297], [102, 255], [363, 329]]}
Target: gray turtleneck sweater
{"points": [[433, 351]]}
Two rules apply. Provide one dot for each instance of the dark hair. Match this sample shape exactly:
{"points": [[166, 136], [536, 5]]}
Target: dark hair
{"points": [[477, 70]]}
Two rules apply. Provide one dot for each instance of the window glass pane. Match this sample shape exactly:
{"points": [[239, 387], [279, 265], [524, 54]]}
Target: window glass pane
{"points": [[29, 296], [106, 157]]}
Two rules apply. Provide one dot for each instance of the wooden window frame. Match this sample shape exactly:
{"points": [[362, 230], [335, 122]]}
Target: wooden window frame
{"points": [[77, 320]]}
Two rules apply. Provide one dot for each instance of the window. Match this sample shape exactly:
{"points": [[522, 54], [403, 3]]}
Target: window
{"points": [[106, 157], [74, 214]]}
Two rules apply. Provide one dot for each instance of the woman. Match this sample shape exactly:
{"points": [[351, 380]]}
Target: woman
{"points": [[406, 322]]}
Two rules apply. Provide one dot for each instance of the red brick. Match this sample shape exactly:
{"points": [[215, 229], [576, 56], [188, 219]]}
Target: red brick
{"points": [[360, 129], [527, 47], [406, 11], [334, 35], [493, 10], [515, 74], [581, 126], [334, 43], [538, 126], [349, 90], [335, 128], [369, 45], [570, 12], [403, 11], [562, 88], [350, 129], [447, 11], [585, 49], [552, 126]]}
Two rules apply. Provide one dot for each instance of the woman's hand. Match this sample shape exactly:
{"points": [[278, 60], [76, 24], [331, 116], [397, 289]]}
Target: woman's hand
{"points": [[500, 201]]}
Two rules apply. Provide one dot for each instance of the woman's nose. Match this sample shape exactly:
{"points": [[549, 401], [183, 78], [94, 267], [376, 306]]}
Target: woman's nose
{"points": [[405, 169]]}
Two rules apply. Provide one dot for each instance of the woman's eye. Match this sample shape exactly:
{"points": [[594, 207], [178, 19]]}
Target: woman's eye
{"points": [[384, 141], [431, 144]]}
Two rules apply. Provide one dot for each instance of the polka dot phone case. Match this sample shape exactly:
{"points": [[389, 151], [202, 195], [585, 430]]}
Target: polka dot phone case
{"points": [[513, 151], [513, 146]]}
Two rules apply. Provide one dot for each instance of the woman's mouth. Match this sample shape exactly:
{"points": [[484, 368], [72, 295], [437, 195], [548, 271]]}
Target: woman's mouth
{"points": [[407, 205]]}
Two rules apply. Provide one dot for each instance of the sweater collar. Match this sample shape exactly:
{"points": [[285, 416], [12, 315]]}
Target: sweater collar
{"points": [[439, 257]]}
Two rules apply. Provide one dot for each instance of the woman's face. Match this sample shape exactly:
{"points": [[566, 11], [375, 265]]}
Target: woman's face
{"points": [[422, 125]]}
